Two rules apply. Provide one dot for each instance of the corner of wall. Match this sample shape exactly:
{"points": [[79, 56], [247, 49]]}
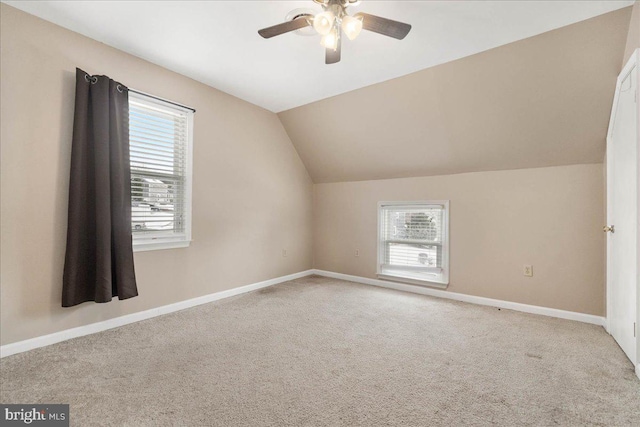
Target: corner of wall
{"points": [[633, 35], [306, 167]]}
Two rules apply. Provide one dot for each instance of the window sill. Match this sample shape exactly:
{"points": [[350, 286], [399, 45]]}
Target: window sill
{"points": [[159, 246], [430, 283]]}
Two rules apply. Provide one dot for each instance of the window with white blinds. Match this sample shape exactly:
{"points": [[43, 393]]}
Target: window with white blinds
{"points": [[160, 150], [413, 241]]}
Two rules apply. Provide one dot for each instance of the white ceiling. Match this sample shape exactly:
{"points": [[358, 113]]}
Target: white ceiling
{"points": [[216, 42]]}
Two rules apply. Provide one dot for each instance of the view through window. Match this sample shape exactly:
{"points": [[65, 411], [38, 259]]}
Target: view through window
{"points": [[413, 241], [159, 148]]}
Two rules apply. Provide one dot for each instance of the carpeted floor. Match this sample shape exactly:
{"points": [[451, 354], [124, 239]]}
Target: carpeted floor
{"points": [[324, 352]]}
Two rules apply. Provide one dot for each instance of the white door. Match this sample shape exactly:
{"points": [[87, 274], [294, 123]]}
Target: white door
{"points": [[622, 213]]}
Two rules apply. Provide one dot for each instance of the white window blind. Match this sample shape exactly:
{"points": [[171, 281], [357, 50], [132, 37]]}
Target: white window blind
{"points": [[160, 150], [413, 241]]}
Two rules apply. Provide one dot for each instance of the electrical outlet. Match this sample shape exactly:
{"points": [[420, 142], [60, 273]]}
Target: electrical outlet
{"points": [[357, 253], [528, 270], [284, 253]]}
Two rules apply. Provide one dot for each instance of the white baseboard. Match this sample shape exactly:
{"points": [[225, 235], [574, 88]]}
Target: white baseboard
{"points": [[534, 309], [45, 340], [638, 370], [56, 337]]}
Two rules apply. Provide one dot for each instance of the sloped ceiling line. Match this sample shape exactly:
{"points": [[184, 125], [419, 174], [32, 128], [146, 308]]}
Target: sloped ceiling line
{"points": [[543, 101]]}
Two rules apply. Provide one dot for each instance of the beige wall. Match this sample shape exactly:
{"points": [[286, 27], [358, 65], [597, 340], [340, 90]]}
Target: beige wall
{"points": [[252, 196], [633, 36], [550, 218]]}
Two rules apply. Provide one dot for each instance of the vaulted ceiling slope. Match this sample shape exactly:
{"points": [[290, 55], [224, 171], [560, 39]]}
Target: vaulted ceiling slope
{"points": [[542, 101]]}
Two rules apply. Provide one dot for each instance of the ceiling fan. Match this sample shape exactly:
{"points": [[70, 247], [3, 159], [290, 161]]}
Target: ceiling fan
{"points": [[335, 20]]}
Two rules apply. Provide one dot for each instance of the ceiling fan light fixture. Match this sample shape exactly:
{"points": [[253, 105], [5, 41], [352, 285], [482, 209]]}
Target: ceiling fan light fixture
{"points": [[332, 22], [323, 22], [352, 25], [330, 40]]}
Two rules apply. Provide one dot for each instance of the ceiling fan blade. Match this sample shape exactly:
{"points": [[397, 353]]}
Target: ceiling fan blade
{"points": [[285, 27], [384, 26], [333, 56]]}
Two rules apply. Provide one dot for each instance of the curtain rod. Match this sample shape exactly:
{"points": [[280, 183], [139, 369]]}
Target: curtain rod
{"points": [[161, 99], [94, 79]]}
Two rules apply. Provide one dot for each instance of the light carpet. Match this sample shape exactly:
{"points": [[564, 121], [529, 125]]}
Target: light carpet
{"points": [[325, 352]]}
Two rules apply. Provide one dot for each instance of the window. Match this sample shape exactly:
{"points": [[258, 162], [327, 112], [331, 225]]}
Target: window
{"points": [[413, 240], [160, 136]]}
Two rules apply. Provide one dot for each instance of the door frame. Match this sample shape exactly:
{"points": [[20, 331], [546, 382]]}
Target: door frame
{"points": [[634, 61]]}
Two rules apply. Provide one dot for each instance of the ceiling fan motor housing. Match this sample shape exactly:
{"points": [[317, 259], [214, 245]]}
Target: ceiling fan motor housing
{"points": [[343, 3], [337, 7]]}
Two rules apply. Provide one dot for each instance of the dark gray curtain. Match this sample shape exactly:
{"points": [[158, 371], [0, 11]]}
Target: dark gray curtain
{"points": [[99, 258]]}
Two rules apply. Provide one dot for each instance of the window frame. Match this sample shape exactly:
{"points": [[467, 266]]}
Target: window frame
{"points": [[439, 282], [184, 239]]}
